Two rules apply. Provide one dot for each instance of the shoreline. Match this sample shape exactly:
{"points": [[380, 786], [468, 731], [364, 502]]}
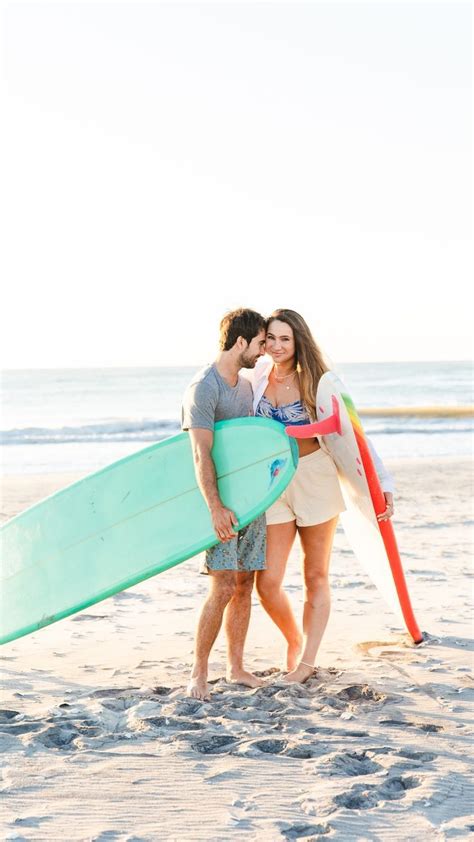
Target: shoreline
{"points": [[19, 491]]}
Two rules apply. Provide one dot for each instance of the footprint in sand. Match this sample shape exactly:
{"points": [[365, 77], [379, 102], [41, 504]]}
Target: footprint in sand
{"points": [[304, 831], [120, 704], [289, 748], [189, 708], [7, 715], [416, 758], [428, 727], [161, 691], [31, 821], [354, 695], [360, 693], [364, 797], [176, 724], [351, 764], [353, 733], [59, 736], [242, 715], [421, 756], [215, 744], [270, 746], [304, 751]]}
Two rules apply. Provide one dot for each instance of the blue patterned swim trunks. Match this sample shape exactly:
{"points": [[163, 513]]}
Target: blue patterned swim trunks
{"points": [[244, 553]]}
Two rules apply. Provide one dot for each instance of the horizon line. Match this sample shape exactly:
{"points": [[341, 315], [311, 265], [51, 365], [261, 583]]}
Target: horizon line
{"points": [[200, 364]]}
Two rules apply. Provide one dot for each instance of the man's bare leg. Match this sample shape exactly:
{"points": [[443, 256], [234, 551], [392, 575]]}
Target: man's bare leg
{"points": [[222, 585], [237, 618]]}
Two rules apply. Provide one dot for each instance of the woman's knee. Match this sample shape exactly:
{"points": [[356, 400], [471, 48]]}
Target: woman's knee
{"points": [[316, 585]]}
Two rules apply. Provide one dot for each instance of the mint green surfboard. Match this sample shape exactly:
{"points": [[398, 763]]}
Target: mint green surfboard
{"points": [[131, 520]]}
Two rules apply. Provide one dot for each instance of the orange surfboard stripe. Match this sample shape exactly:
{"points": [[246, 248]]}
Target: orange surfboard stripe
{"points": [[386, 528]]}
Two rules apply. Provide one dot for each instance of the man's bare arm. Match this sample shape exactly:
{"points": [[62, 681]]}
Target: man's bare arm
{"points": [[222, 518]]}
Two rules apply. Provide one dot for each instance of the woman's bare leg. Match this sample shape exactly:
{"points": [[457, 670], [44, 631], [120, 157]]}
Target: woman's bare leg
{"points": [[316, 542], [280, 537]]}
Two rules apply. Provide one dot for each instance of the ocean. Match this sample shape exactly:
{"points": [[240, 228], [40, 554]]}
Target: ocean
{"points": [[82, 419]]}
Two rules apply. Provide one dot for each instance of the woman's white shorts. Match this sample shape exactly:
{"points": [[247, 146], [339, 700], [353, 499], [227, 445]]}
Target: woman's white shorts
{"points": [[313, 495]]}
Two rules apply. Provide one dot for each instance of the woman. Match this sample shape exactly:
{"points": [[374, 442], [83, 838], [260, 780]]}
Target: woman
{"points": [[285, 390]]}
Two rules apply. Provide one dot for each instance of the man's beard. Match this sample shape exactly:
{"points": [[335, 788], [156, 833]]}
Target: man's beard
{"points": [[247, 361]]}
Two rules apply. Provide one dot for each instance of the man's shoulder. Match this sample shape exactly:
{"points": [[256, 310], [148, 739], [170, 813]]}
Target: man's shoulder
{"points": [[200, 400], [205, 375]]}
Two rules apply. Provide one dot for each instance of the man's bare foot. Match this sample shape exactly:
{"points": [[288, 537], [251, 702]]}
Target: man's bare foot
{"points": [[241, 676], [198, 689], [299, 675], [292, 654]]}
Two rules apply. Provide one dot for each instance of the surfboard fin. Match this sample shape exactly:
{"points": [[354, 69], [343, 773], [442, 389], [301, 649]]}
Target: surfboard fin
{"points": [[319, 428]]}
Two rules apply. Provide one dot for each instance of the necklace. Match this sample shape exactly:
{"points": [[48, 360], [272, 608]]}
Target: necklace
{"points": [[281, 379]]}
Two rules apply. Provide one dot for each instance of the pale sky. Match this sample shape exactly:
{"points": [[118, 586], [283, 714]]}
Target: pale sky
{"points": [[163, 163]]}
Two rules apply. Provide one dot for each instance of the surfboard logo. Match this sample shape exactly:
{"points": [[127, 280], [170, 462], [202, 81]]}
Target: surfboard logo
{"points": [[276, 468]]}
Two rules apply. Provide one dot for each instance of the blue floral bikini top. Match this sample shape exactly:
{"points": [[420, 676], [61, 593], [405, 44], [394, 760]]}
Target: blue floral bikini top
{"points": [[290, 413]]}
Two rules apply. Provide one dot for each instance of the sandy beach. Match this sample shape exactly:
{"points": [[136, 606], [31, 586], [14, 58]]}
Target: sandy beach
{"points": [[100, 742]]}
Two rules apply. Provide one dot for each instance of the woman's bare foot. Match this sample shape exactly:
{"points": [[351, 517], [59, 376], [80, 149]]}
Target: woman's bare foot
{"points": [[292, 654], [198, 688], [241, 676], [299, 675]]}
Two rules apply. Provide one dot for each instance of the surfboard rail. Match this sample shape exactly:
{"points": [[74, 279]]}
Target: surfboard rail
{"points": [[385, 526]]}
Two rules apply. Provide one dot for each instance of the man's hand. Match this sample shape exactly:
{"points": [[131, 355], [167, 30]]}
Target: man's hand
{"points": [[223, 520], [387, 514]]}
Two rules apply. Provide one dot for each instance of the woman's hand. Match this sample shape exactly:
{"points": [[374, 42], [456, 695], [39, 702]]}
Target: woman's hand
{"points": [[387, 514]]}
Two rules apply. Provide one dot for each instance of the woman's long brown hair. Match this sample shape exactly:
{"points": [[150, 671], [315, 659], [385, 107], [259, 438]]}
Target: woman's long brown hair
{"points": [[310, 362]]}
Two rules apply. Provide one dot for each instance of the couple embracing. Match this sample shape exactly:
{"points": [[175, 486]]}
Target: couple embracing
{"points": [[271, 368]]}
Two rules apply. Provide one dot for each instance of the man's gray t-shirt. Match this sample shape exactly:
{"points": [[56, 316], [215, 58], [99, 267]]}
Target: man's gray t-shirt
{"points": [[209, 398]]}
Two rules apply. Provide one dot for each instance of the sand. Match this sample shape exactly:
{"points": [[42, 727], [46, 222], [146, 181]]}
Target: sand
{"points": [[100, 742]]}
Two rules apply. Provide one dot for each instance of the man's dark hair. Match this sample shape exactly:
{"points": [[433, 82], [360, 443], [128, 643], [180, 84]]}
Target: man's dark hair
{"points": [[242, 322]]}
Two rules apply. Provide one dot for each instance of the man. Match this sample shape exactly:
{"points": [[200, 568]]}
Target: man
{"points": [[218, 393]]}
